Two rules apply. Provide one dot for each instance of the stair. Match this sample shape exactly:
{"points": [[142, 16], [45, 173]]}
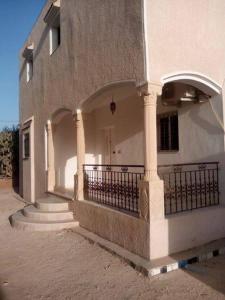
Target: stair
{"points": [[47, 214]]}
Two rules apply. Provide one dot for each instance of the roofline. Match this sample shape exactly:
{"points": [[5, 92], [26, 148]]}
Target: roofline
{"points": [[33, 26]]}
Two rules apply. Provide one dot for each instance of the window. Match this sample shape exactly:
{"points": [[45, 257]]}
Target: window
{"points": [[55, 35], [29, 66], [26, 145], [52, 19], [168, 133]]}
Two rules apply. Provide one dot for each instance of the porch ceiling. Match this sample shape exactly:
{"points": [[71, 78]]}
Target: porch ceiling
{"points": [[104, 96]]}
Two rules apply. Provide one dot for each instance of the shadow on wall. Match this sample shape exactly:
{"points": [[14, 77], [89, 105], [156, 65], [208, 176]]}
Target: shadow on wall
{"points": [[2, 295]]}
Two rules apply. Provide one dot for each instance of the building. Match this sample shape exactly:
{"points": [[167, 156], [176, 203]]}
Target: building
{"points": [[121, 111]]}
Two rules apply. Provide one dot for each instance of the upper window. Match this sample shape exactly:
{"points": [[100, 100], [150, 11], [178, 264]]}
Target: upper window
{"points": [[52, 19], [29, 68], [26, 145], [28, 55], [168, 132], [55, 37]]}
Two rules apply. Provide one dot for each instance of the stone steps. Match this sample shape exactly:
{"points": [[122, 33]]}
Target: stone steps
{"points": [[52, 204], [36, 214], [47, 214]]}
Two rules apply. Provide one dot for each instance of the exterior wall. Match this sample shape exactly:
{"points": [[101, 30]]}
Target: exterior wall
{"points": [[200, 134], [187, 230], [185, 36], [122, 229], [27, 180], [95, 50]]}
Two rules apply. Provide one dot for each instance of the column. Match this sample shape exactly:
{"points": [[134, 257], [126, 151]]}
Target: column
{"points": [[150, 136], [151, 189], [51, 157], [151, 203], [79, 177]]}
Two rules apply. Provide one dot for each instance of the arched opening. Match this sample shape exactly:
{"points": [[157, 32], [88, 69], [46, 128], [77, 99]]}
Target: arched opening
{"points": [[190, 141], [64, 151], [114, 125], [113, 129]]}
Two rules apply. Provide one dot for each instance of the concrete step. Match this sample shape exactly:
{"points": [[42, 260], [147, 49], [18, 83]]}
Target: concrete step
{"points": [[19, 221], [36, 214], [52, 204]]}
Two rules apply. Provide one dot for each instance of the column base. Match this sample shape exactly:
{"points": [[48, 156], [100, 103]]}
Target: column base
{"points": [[78, 187], [151, 209]]}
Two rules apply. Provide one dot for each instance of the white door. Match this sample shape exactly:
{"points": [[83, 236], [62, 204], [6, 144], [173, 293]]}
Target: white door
{"points": [[109, 157]]}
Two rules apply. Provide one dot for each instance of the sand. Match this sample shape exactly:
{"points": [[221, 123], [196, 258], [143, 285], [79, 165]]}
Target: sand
{"points": [[63, 265]]}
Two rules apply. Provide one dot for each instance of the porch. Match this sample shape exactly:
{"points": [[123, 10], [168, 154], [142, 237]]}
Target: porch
{"points": [[119, 149]]}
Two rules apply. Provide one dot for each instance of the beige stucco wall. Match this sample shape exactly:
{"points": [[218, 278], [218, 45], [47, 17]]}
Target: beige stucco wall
{"points": [[187, 230], [102, 42], [95, 50], [127, 231], [186, 35]]}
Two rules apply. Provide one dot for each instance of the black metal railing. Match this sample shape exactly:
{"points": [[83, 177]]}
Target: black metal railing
{"points": [[113, 185], [190, 186]]}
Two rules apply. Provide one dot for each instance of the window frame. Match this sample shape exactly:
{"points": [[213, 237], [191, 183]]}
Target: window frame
{"points": [[55, 35], [26, 154], [29, 70], [168, 115]]}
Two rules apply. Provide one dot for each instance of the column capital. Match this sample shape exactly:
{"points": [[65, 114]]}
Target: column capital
{"points": [[79, 116], [150, 89]]}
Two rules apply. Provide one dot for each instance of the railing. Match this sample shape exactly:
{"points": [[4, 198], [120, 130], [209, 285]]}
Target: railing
{"points": [[189, 186], [113, 185]]}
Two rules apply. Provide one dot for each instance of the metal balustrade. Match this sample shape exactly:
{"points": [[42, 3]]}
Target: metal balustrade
{"points": [[113, 185], [186, 186], [190, 186]]}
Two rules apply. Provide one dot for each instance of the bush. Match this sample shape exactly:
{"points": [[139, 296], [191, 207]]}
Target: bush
{"points": [[9, 153]]}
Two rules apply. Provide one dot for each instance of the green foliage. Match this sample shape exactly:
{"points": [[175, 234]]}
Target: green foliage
{"points": [[9, 152]]}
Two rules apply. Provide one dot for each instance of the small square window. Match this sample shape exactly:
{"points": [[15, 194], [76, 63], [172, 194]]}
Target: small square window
{"points": [[26, 145], [168, 132]]}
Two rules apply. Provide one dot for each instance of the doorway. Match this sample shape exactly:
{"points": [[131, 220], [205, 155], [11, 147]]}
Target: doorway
{"points": [[109, 151]]}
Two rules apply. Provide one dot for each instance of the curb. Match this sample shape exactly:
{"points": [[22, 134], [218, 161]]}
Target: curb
{"points": [[183, 264], [142, 265]]}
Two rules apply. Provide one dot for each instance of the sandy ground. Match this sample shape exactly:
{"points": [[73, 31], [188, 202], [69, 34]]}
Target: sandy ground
{"points": [[63, 265]]}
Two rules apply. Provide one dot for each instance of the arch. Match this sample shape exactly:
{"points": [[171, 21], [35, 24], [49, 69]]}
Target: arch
{"points": [[61, 160], [198, 80], [115, 88], [59, 114]]}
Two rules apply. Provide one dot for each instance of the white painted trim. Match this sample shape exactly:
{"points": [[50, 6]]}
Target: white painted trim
{"points": [[46, 146], [32, 152], [146, 41], [192, 76], [32, 162]]}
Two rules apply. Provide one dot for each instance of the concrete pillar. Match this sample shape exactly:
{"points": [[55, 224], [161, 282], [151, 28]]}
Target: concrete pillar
{"points": [[150, 135], [151, 189], [51, 157], [79, 177]]}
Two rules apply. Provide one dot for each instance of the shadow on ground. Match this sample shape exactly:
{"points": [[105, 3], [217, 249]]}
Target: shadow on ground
{"points": [[211, 273]]}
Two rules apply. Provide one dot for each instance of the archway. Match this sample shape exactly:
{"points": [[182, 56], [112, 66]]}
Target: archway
{"points": [[190, 140], [64, 145]]}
